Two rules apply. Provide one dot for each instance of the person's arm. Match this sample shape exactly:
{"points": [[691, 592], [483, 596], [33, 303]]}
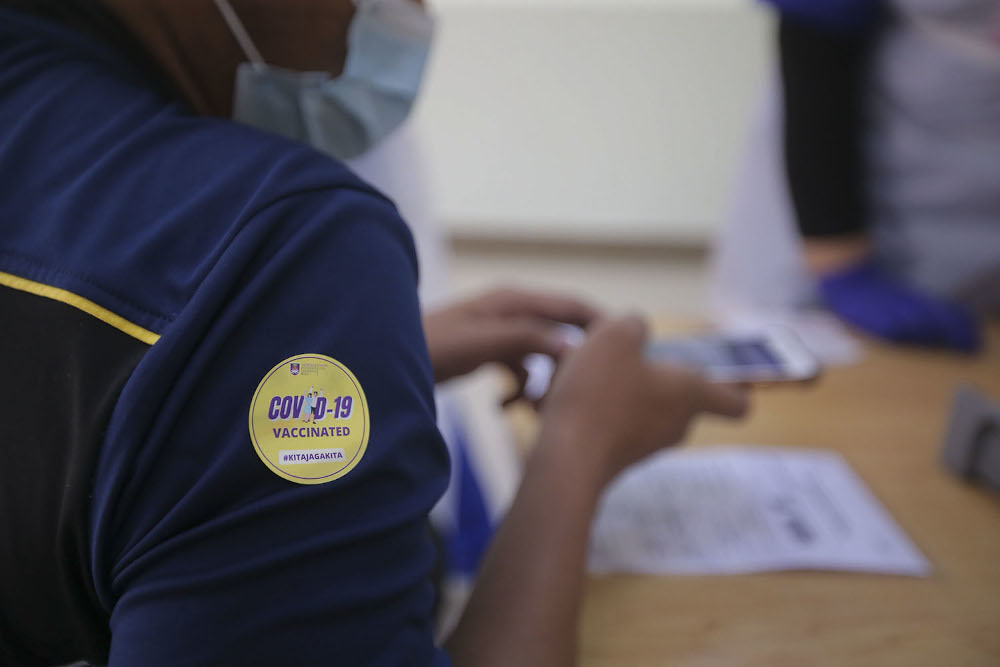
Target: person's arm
{"points": [[204, 555], [607, 408]]}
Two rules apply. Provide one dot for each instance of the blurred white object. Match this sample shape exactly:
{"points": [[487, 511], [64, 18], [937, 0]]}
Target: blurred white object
{"points": [[738, 510], [757, 258], [398, 167]]}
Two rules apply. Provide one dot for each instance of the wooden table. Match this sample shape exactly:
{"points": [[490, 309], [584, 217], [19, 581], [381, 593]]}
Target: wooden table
{"points": [[888, 416]]}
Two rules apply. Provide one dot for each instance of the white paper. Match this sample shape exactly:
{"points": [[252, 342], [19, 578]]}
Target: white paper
{"points": [[739, 510]]}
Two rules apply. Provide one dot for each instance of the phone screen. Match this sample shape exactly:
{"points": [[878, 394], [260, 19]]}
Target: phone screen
{"points": [[749, 358]]}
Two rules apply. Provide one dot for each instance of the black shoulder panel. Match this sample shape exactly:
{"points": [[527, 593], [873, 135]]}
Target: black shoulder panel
{"points": [[63, 370]]}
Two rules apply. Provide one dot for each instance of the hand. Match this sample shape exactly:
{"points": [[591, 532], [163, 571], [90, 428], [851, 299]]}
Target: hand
{"points": [[607, 407], [865, 296], [502, 326], [611, 407]]}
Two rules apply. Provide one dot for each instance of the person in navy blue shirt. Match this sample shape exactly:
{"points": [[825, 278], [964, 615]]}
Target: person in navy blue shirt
{"points": [[180, 281]]}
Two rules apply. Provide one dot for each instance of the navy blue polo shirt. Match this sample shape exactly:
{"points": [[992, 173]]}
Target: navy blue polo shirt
{"points": [[155, 267]]}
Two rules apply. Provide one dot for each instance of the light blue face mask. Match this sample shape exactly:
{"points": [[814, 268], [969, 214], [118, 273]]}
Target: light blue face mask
{"points": [[387, 47]]}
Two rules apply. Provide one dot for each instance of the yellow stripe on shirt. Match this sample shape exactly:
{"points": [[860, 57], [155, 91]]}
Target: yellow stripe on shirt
{"points": [[77, 301]]}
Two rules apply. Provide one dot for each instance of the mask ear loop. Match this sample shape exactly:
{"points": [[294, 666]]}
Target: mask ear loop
{"points": [[240, 33]]}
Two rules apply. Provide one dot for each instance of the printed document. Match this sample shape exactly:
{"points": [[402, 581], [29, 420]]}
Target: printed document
{"points": [[747, 509]]}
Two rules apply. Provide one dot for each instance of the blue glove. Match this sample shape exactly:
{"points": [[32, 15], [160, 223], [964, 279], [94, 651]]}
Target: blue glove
{"points": [[865, 296]]}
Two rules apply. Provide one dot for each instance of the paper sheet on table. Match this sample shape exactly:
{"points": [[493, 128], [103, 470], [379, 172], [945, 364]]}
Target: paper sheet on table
{"points": [[738, 510]]}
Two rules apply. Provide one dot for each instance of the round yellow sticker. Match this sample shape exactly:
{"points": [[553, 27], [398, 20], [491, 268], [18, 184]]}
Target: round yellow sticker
{"points": [[309, 419]]}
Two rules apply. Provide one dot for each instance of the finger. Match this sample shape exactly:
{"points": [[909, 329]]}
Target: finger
{"points": [[638, 327], [677, 383], [509, 341], [631, 330], [557, 308], [724, 400]]}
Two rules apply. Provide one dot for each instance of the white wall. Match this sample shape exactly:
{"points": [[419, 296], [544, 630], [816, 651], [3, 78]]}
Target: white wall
{"points": [[589, 119]]}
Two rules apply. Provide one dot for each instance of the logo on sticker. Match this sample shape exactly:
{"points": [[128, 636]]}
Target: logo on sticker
{"points": [[309, 420]]}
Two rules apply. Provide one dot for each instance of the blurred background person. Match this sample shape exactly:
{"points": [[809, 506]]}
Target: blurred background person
{"points": [[872, 184]]}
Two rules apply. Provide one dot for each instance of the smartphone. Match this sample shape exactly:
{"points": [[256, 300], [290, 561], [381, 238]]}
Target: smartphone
{"points": [[770, 356], [774, 355]]}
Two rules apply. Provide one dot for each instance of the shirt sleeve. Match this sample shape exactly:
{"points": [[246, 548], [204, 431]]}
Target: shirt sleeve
{"points": [[202, 554], [832, 15]]}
